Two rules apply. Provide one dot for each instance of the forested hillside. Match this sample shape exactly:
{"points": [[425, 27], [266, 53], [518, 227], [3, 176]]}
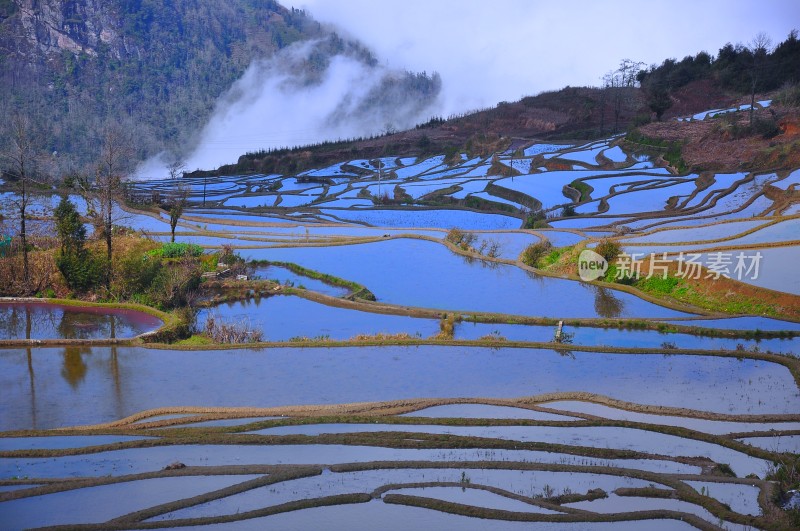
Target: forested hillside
{"points": [[740, 69], [156, 66]]}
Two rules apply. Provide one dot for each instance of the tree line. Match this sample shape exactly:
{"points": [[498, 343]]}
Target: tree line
{"points": [[28, 171], [757, 66]]}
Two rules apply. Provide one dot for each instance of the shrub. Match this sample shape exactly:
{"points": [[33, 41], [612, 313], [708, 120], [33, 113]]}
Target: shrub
{"points": [[222, 332], [461, 239], [234, 262], [447, 326], [608, 249], [789, 95], [766, 127], [135, 273], [536, 220], [176, 283], [82, 270], [534, 252], [177, 250]]}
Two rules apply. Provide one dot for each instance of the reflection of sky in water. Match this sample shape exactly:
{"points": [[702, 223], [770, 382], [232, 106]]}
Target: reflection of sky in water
{"points": [[284, 317], [50, 321], [131, 379], [135, 460], [426, 274]]}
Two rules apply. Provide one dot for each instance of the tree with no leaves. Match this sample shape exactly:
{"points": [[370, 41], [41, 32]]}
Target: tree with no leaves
{"points": [[620, 83], [174, 206], [176, 167], [116, 152], [759, 48], [21, 156]]}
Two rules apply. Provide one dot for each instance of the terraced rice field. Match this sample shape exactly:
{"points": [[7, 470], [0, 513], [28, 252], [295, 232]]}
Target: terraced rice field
{"points": [[448, 401]]}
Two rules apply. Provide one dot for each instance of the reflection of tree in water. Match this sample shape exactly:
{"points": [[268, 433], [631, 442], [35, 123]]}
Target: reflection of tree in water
{"points": [[10, 322], [80, 325], [74, 369], [486, 264], [606, 304], [47, 321], [25, 321]]}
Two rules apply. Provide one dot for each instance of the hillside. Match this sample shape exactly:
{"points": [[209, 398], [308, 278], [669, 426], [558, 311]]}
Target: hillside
{"points": [[663, 93], [723, 144], [158, 67]]}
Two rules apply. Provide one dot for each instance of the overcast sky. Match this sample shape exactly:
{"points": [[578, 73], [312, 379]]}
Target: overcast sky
{"points": [[493, 50]]}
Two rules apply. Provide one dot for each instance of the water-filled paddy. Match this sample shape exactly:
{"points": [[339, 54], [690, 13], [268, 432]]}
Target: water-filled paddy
{"points": [[42, 389], [595, 437], [286, 276], [42, 320], [776, 443], [741, 323], [390, 517], [741, 498], [717, 427], [138, 460], [99, 504], [424, 218], [623, 504], [331, 483], [61, 442], [282, 318], [52, 387], [426, 274], [629, 338], [698, 234]]}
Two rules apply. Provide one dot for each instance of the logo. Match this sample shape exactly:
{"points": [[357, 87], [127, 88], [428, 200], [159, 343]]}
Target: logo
{"points": [[591, 265]]}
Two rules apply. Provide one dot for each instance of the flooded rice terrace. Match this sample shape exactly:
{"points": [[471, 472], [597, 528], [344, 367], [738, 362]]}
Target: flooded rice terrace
{"points": [[405, 378]]}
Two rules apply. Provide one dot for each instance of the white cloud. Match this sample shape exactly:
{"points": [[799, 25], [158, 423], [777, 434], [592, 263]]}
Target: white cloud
{"points": [[276, 104], [487, 52]]}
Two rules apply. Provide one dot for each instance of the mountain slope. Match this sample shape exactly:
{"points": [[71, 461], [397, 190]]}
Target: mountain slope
{"points": [[157, 66]]}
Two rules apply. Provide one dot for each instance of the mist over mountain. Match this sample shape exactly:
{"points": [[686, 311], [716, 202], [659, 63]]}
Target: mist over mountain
{"points": [[200, 79]]}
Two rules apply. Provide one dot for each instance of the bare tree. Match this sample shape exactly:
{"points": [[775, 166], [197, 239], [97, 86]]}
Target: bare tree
{"points": [[759, 48], [176, 167], [175, 205], [620, 84], [21, 156], [116, 152]]}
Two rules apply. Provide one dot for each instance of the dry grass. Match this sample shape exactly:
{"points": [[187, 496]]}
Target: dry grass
{"points": [[220, 331]]}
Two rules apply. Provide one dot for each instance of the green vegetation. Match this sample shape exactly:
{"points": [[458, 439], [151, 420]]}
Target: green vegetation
{"points": [[671, 151], [81, 269], [357, 291], [176, 250], [608, 249], [461, 239], [742, 69], [554, 256], [789, 95], [479, 203], [533, 254], [537, 219], [584, 189], [730, 125], [698, 293], [660, 285]]}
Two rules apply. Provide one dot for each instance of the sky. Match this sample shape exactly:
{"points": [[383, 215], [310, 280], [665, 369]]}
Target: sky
{"points": [[489, 51]]}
